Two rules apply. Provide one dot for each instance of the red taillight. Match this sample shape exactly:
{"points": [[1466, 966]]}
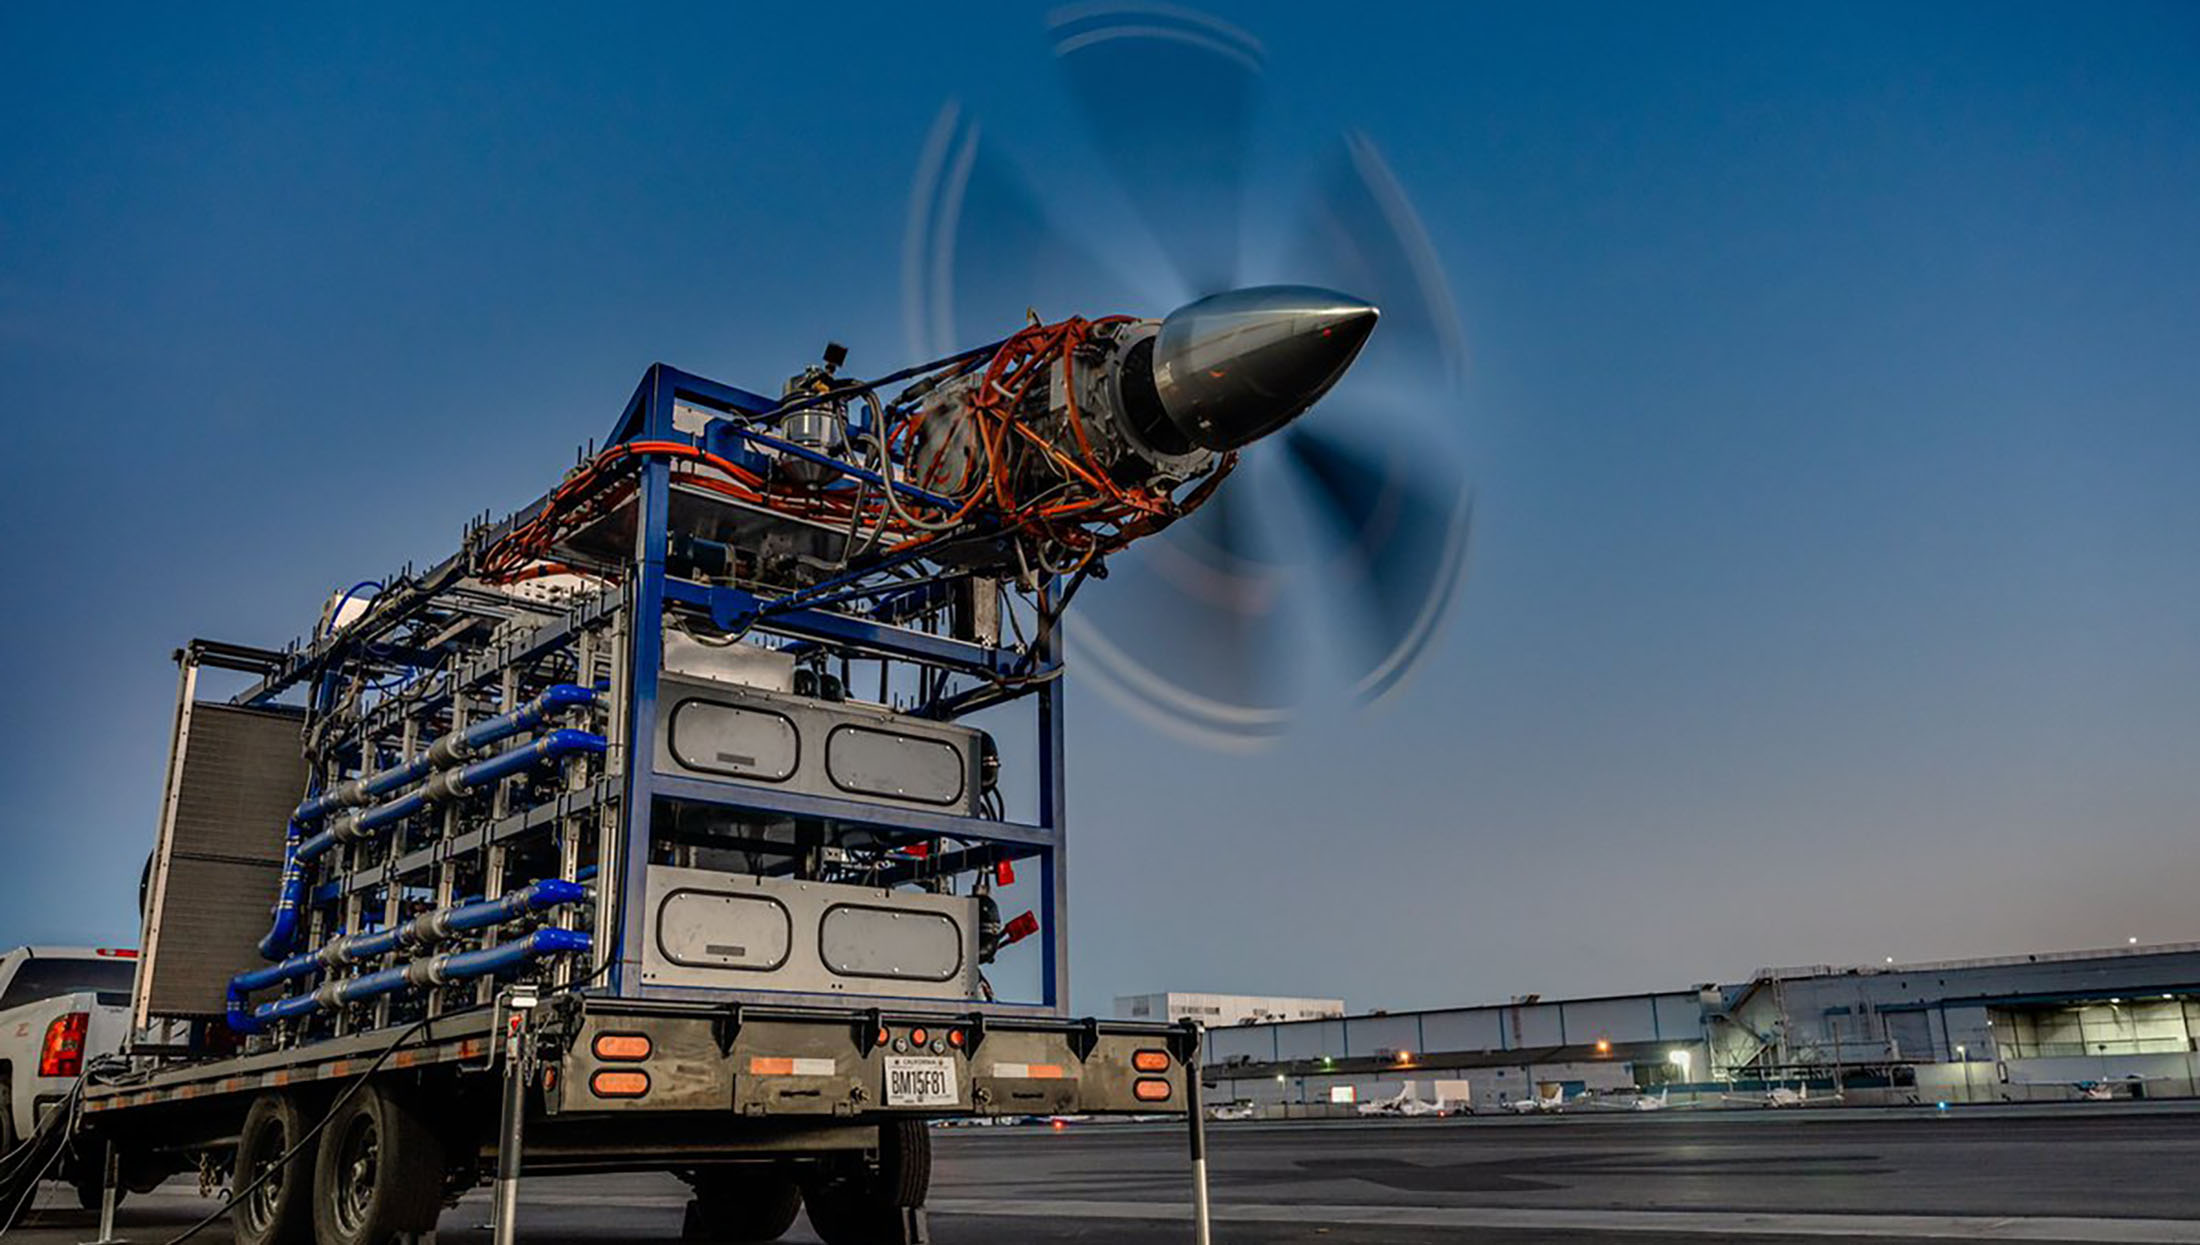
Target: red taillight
{"points": [[1004, 873], [1019, 929], [63, 1053], [918, 1037], [955, 1038], [120, 953]]}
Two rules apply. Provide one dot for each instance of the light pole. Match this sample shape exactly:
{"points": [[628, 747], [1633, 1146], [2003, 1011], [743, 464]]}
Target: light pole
{"points": [[1964, 1055]]}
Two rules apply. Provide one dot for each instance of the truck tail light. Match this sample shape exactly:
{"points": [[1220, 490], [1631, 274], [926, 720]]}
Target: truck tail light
{"points": [[619, 1083], [1151, 1061], [1019, 929], [622, 1046], [1150, 1090], [63, 1052], [1004, 873]]}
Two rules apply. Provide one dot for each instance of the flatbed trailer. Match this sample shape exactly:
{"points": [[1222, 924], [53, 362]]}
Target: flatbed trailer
{"points": [[751, 1105]]}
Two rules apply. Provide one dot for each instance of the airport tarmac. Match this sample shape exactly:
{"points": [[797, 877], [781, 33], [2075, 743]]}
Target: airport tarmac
{"points": [[1979, 1174]]}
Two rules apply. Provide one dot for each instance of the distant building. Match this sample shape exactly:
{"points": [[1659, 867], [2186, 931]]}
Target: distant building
{"points": [[1221, 1010], [2121, 1021]]}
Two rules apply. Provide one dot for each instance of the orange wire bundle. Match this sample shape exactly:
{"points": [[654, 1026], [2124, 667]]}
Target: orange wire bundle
{"points": [[995, 405]]}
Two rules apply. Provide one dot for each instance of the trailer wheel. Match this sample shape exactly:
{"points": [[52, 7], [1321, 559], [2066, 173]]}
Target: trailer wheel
{"points": [[737, 1205], [279, 1211], [379, 1172], [868, 1206]]}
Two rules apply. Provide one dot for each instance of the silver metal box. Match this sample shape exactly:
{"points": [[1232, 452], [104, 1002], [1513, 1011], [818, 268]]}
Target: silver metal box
{"points": [[736, 931], [728, 732]]}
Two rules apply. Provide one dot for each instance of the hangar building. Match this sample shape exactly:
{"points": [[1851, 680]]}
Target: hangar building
{"points": [[2124, 1020]]}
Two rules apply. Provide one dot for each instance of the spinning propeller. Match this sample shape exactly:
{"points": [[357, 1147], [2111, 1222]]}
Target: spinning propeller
{"points": [[1349, 527]]}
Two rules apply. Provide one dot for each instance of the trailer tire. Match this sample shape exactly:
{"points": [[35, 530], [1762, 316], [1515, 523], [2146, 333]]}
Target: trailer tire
{"points": [[737, 1205], [869, 1206], [379, 1171], [279, 1212]]}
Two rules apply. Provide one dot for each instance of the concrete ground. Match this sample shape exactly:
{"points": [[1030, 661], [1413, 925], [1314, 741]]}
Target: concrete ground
{"points": [[2054, 1174]]}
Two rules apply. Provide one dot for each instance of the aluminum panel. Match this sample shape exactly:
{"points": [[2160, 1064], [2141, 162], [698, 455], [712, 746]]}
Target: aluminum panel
{"points": [[712, 929], [863, 940], [862, 760], [739, 743]]}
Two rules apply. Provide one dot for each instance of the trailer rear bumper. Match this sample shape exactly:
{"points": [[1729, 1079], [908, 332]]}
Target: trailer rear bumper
{"points": [[614, 1056]]}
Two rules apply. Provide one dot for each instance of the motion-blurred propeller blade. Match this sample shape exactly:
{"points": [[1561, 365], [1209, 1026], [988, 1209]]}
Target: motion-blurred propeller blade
{"points": [[1360, 233], [1402, 545], [1168, 97], [1186, 631], [981, 251]]}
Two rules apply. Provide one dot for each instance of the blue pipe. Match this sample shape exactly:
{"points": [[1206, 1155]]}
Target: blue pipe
{"points": [[449, 784], [448, 750], [429, 927], [438, 970]]}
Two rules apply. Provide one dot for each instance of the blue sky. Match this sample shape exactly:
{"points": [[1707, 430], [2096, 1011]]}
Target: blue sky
{"points": [[1831, 409]]}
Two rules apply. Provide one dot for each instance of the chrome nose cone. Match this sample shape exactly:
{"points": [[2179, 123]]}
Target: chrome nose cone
{"points": [[1233, 367]]}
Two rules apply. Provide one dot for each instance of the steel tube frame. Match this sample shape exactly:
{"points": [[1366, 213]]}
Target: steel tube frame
{"points": [[651, 590]]}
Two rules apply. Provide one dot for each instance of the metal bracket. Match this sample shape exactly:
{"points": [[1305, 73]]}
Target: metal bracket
{"points": [[1085, 1038], [1184, 1043], [725, 1029]]}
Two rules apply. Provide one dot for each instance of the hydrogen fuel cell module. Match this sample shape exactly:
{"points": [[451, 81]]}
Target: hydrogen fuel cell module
{"points": [[671, 822]]}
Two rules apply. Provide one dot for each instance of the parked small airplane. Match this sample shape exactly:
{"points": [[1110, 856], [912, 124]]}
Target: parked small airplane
{"points": [[1404, 1104], [1553, 1102], [1777, 1096]]}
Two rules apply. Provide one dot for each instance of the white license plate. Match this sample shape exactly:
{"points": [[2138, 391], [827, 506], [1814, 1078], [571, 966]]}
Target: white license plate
{"points": [[920, 1081]]}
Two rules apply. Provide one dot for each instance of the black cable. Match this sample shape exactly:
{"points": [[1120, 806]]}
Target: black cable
{"points": [[54, 1130], [240, 1194]]}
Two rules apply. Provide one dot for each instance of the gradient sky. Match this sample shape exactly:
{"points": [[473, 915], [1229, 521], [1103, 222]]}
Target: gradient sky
{"points": [[1834, 414]]}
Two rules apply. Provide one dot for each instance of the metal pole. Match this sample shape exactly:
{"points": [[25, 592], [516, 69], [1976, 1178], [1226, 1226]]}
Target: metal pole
{"points": [[1202, 1232], [513, 1122], [112, 1171]]}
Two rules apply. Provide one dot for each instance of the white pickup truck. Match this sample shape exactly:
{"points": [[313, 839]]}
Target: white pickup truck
{"points": [[60, 1007]]}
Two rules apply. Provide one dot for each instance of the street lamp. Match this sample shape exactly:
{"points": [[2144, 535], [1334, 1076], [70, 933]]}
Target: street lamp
{"points": [[1681, 1059], [1964, 1054]]}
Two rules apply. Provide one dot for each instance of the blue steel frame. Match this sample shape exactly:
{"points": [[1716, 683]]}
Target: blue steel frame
{"points": [[649, 416]]}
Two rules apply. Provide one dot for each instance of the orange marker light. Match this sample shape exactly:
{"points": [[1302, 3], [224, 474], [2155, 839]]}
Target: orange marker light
{"points": [[619, 1083], [622, 1046], [885, 1036], [955, 1038], [1151, 1061], [918, 1037], [1151, 1091]]}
